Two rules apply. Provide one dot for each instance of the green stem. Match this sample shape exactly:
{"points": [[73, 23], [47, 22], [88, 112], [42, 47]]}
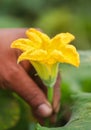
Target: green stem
{"points": [[50, 94], [50, 99]]}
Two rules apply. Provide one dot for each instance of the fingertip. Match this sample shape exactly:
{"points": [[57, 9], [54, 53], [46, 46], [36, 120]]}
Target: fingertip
{"points": [[44, 110]]}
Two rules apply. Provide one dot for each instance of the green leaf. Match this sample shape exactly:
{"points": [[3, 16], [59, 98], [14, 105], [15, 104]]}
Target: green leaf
{"points": [[10, 22], [81, 115], [77, 79], [9, 110]]}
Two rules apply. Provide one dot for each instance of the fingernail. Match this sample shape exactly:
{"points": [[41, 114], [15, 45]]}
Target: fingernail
{"points": [[44, 110]]}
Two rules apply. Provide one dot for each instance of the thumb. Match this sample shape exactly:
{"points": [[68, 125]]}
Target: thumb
{"points": [[25, 87]]}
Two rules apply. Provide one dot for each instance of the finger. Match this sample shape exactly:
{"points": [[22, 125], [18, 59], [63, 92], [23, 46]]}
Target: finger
{"points": [[53, 118], [57, 95], [56, 100], [26, 66], [37, 79], [21, 83], [11, 34]]}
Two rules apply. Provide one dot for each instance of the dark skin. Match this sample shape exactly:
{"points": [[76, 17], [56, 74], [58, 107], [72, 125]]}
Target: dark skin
{"points": [[15, 77]]}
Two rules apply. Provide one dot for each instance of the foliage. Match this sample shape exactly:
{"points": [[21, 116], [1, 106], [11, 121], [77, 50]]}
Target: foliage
{"points": [[52, 17], [9, 110], [81, 115]]}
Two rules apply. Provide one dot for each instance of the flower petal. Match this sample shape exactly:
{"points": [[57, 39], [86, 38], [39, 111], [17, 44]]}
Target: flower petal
{"points": [[37, 36], [35, 55], [23, 44], [34, 38], [71, 56], [61, 40], [55, 57], [40, 48], [41, 69]]}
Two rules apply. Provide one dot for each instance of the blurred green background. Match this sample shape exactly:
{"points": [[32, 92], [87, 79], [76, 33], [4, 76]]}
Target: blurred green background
{"points": [[51, 16]]}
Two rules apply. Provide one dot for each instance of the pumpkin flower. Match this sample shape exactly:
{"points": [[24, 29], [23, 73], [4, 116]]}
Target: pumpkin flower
{"points": [[45, 53]]}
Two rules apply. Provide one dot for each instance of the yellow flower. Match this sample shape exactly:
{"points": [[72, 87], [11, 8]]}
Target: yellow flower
{"points": [[45, 53]]}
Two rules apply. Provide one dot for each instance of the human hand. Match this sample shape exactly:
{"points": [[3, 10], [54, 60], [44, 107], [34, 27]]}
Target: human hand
{"points": [[15, 76]]}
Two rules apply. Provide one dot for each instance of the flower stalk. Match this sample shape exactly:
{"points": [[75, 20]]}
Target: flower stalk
{"points": [[50, 93]]}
